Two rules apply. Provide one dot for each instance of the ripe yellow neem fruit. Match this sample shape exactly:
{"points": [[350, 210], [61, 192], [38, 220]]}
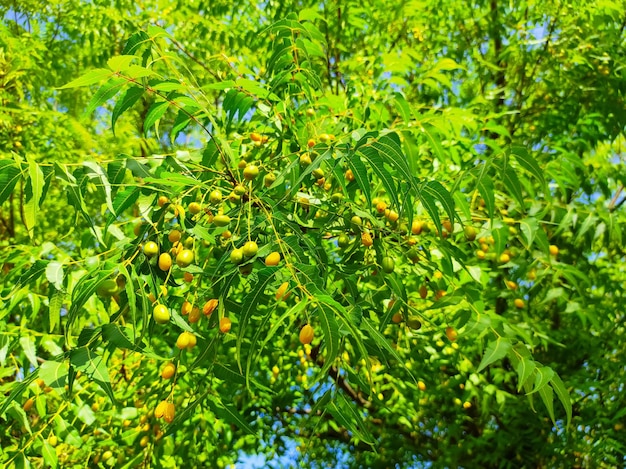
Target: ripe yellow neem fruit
{"points": [[186, 340], [168, 370], [161, 314], [366, 239], [150, 249], [305, 160], [481, 254], [194, 315], [381, 207], [417, 226], [225, 325], [239, 189], [210, 306], [349, 175], [256, 137], [280, 293], [186, 308], [421, 385], [519, 303], [306, 334], [215, 197], [250, 249], [221, 220], [165, 262], [236, 256], [160, 409], [325, 138], [272, 259], [250, 172], [161, 201], [392, 216], [396, 318], [194, 208], [504, 258], [310, 143], [451, 334], [511, 284], [174, 236], [28, 404], [170, 412], [356, 222], [554, 250], [184, 258]]}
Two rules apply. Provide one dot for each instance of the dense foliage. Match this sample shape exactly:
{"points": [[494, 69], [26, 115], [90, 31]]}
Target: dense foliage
{"points": [[358, 234]]}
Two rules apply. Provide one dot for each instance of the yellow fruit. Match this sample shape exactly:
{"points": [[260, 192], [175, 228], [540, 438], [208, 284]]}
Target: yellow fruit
{"points": [[272, 259], [438, 275], [161, 314], [28, 404], [440, 294], [256, 137], [349, 175], [451, 334], [306, 334], [195, 208], [150, 249], [165, 262], [225, 324], [417, 226], [532, 275], [170, 411], [215, 197], [519, 303], [269, 179], [160, 409], [161, 201], [421, 385], [108, 454], [194, 315], [145, 440], [481, 254], [467, 405], [174, 236], [511, 284], [392, 216], [184, 258], [186, 340], [280, 293], [381, 207], [554, 250], [504, 258], [209, 306], [168, 370], [366, 239], [250, 249], [186, 308], [470, 233], [310, 143], [305, 160]]}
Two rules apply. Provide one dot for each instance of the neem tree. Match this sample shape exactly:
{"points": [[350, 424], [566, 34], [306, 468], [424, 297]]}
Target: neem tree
{"points": [[354, 234]]}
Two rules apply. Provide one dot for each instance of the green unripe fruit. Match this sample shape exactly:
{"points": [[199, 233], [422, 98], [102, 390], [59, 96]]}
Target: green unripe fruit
{"points": [[239, 189], [221, 220], [250, 249], [343, 241], [161, 314], [356, 222], [470, 233], [305, 160], [388, 265], [414, 324], [336, 197], [318, 173], [107, 288], [269, 179]]}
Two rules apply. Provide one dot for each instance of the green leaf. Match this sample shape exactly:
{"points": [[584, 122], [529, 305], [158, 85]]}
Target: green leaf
{"points": [[250, 303], [330, 329], [347, 416], [229, 413], [543, 375], [487, 192], [54, 309], [89, 78], [155, 112], [34, 188], [54, 374], [125, 199], [9, 175], [495, 351], [103, 179], [106, 92], [440, 193], [360, 175], [127, 100], [94, 366], [547, 396], [563, 396], [54, 274], [377, 165], [383, 344], [525, 365], [511, 182], [49, 455], [527, 162]]}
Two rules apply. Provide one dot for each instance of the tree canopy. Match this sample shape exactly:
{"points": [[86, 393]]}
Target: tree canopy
{"points": [[296, 233]]}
